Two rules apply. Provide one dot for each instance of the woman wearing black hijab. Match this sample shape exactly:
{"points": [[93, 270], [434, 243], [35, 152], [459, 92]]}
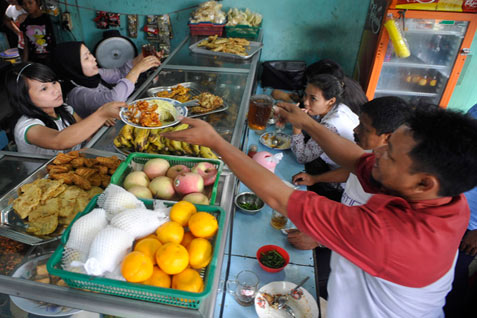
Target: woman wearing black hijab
{"points": [[86, 86]]}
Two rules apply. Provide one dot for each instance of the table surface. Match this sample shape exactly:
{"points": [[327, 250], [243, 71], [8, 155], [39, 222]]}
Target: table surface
{"points": [[249, 232]]}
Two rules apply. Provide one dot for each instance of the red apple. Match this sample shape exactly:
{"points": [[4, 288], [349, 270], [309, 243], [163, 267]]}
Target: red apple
{"points": [[176, 170], [162, 187], [196, 198], [207, 171], [188, 182], [156, 167]]}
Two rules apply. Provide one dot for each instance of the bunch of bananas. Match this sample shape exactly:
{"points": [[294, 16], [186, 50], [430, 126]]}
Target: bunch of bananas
{"points": [[151, 141]]}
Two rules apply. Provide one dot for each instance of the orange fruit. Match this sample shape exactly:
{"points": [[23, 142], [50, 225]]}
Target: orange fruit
{"points": [[188, 280], [188, 237], [200, 253], [136, 267], [148, 246], [181, 212], [172, 258], [159, 279], [203, 224], [170, 232]]}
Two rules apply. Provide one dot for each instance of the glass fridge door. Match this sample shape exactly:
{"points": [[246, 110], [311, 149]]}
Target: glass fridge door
{"points": [[422, 77]]}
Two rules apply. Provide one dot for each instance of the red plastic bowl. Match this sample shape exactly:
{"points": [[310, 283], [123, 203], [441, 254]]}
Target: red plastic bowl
{"points": [[280, 250]]}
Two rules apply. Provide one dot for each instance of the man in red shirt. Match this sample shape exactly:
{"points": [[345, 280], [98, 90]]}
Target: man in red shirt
{"points": [[394, 255]]}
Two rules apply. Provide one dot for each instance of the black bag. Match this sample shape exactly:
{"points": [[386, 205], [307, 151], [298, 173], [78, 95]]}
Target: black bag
{"points": [[289, 75]]}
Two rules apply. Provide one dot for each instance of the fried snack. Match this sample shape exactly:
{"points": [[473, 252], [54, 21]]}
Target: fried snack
{"points": [[225, 45], [43, 220], [110, 162], [207, 103], [28, 199], [63, 158], [78, 162], [86, 172], [81, 182], [49, 188], [67, 178], [94, 191], [68, 201], [95, 180], [58, 169], [102, 169], [179, 93], [105, 180]]}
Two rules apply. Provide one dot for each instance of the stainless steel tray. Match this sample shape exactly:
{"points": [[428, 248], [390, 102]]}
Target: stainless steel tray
{"points": [[253, 48], [14, 227], [195, 90]]}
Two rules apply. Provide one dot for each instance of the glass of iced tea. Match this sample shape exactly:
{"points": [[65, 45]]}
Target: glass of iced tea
{"points": [[278, 220], [148, 49], [259, 112]]}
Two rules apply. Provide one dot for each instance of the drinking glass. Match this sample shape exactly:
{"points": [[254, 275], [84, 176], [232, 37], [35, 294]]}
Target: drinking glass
{"points": [[259, 112], [244, 287]]}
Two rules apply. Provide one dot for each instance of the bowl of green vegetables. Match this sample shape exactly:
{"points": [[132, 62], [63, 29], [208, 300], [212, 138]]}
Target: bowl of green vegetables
{"points": [[248, 202], [272, 258]]}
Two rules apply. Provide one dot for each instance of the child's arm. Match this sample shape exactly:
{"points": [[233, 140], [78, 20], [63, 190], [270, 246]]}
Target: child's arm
{"points": [[26, 50], [338, 175], [11, 25], [75, 134]]}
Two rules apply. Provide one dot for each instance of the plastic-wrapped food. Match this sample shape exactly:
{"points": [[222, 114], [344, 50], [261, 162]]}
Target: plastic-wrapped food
{"points": [[139, 222], [107, 251], [116, 199], [243, 17], [85, 229], [210, 11]]}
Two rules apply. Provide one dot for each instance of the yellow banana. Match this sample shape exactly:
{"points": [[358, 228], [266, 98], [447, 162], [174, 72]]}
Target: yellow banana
{"points": [[187, 148], [206, 152], [196, 150], [125, 143], [127, 132], [141, 139], [117, 142], [176, 145], [181, 127]]}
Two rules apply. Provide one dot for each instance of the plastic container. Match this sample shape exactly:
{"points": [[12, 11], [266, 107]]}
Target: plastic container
{"points": [[161, 295], [280, 250], [206, 28], [136, 161], [242, 31]]}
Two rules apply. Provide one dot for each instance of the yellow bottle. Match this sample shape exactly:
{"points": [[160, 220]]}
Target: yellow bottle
{"points": [[396, 37]]}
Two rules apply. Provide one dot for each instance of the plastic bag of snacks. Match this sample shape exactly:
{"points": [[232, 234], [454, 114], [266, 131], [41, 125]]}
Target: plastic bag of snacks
{"points": [[210, 11]]}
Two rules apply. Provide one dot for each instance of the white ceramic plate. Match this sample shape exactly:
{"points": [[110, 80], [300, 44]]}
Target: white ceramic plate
{"points": [[180, 110], [26, 271], [303, 304], [265, 139]]}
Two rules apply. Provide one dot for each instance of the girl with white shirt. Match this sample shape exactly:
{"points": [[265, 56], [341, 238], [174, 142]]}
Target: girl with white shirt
{"points": [[46, 125]]}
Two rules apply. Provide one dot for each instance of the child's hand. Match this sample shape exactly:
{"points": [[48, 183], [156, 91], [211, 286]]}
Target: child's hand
{"points": [[303, 178]]}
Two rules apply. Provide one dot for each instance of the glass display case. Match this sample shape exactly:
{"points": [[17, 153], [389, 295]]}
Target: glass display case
{"points": [[233, 80]]}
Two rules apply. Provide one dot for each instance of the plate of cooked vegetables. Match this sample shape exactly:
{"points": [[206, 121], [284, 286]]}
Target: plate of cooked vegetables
{"points": [[153, 113]]}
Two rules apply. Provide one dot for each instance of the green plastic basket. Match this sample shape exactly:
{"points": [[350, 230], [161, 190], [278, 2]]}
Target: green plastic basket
{"points": [[242, 31], [136, 161], [161, 295]]}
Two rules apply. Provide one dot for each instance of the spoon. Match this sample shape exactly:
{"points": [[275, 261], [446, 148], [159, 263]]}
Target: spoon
{"points": [[274, 141], [299, 285], [281, 301]]}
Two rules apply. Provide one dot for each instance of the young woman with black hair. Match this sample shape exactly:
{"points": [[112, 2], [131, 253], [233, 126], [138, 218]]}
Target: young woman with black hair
{"points": [[46, 125], [86, 86]]}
